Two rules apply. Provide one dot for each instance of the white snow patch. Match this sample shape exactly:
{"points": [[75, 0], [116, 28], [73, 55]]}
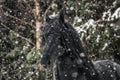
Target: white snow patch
{"points": [[90, 23], [98, 38], [71, 8], [116, 14], [79, 29], [106, 15]]}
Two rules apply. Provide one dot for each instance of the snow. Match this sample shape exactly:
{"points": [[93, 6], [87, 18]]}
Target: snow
{"points": [[114, 68], [69, 49], [108, 66], [53, 15], [79, 29], [65, 75], [79, 3], [105, 45], [90, 23], [59, 46], [98, 38], [54, 5], [79, 61], [75, 74], [88, 37], [106, 15], [82, 54], [78, 19], [111, 75], [59, 53], [93, 73], [116, 14], [16, 42], [32, 20], [71, 8]]}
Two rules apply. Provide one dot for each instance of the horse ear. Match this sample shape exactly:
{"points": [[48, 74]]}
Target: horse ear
{"points": [[47, 18], [61, 16]]}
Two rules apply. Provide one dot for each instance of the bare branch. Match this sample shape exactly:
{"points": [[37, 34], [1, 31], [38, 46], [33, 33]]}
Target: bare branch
{"points": [[17, 19], [106, 21], [37, 9], [17, 34]]}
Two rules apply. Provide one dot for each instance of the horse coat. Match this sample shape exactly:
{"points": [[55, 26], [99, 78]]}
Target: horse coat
{"points": [[62, 46]]}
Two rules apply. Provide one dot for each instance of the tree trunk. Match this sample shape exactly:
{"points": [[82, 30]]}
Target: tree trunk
{"points": [[38, 24]]}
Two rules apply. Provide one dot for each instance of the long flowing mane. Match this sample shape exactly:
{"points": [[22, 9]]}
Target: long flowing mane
{"points": [[62, 45]]}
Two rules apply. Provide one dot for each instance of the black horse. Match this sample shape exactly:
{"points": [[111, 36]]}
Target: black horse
{"points": [[62, 46]]}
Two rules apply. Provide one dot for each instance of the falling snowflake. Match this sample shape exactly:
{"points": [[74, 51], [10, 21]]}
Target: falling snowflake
{"points": [[82, 54]]}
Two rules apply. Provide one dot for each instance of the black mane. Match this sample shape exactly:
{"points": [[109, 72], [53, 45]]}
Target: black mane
{"points": [[61, 44]]}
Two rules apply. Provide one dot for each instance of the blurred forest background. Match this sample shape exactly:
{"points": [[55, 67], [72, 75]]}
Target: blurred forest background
{"points": [[96, 21]]}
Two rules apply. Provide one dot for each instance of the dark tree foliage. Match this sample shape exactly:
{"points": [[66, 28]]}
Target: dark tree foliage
{"points": [[62, 46], [16, 54]]}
